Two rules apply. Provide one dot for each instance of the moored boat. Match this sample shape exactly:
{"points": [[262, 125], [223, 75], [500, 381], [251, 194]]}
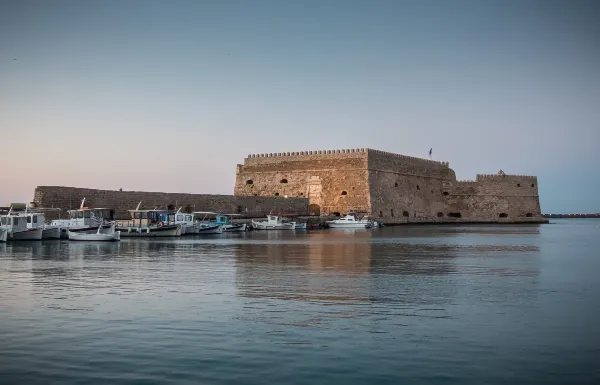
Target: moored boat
{"points": [[37, 220], [16, 227], [350, 221], [150, 223], [206, 225], [225, 220], [3, 235], [99, 236], [84, 219], [273, 222]]}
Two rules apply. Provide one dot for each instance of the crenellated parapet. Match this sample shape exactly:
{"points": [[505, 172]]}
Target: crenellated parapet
{"points": [[305, 153], [503, 177], [410, 159]]}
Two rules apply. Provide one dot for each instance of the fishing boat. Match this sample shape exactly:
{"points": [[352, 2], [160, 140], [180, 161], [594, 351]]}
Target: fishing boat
{"points": [[206, 225], [16, 227], [3, 235], [150, 223], [294, 218], [273, 222], [99, 236], [84, 219], [37, 220], [225, 220], [186, 220], [351, 221]]}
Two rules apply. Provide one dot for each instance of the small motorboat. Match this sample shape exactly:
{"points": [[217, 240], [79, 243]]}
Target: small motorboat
{"points": [[351, 221], [273, 222], [106, 236]]}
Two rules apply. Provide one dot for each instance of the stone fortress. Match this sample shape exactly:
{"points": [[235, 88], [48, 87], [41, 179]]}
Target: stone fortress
{"points": [[393, 188]]}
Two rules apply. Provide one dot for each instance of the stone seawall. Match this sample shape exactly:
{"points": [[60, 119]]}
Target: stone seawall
{"points": [[67, 198]]}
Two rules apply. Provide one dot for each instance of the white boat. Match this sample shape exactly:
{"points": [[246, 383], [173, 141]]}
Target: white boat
{"points": [[16, 227], [99, 236], [37, 220], [186, 220], [150, 223], [3, 235], [300, 226], [350, 221], [84, 219], [273, 222]]}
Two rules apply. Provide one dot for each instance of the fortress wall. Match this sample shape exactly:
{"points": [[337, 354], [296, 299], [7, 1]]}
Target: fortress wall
{"points": [[70, 198], [401, 164], [260, 160], [491, 195], [322, 177]]}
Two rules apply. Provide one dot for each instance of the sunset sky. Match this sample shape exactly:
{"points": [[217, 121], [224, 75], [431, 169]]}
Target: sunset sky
{"points": [[171, 95]]}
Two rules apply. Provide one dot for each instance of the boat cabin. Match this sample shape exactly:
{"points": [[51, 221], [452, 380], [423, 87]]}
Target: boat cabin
{"points": [[13, 223], [85, 217], [35, 220], [143, 218]]}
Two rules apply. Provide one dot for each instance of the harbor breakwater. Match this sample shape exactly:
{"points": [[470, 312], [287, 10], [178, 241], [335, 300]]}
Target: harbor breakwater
{"points": [[67, 198]]}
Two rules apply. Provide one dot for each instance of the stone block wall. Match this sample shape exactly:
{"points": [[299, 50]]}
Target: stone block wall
{"points": [[251, 206]]}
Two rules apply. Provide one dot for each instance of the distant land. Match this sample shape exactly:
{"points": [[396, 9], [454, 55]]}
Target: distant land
{"points": [[597, 215]]}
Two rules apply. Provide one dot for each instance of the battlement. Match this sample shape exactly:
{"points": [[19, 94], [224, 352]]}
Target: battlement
{"points": [[503, 177], [348, 151]]}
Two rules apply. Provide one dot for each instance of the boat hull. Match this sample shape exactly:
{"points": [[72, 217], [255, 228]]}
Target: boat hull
{"points": [[235, 228], [91, 237], [217, 229], [300, 226], [278, 226], [165, 231], [88, 229], [51, 233], [28, 235], [349, 225]]}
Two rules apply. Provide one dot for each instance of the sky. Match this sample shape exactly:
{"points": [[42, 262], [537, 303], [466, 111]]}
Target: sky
{"points": [[171, 95]]}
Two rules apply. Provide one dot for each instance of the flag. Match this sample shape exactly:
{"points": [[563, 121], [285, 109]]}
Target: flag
{"points": [[430, 150]]}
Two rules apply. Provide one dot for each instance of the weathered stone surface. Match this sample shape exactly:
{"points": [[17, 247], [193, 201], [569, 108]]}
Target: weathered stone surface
{"points": [[394, 188], [70, 198]]}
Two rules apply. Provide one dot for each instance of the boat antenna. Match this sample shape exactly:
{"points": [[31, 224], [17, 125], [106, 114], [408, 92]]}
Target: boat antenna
{"points": [[82, 202], [138, 206], [9, 210]]}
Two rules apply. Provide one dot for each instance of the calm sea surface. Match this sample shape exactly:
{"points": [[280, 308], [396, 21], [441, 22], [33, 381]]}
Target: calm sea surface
{"points": [[464, 305]]}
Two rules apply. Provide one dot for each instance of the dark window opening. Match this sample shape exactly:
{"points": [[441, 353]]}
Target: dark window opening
{"points": [[249, 181], [529, 215], [283, 180], [440, 214], [381, 213], [445, 192], [503, 215], [28, 219], [396, 184], [405, 213], [171, 207], [239, 209], [392, 212], [344, 193], [336, 214], [301, 194], [418, 188], [455, 215], [276, 194], [255, 195], [532, 185], [518, 184]]}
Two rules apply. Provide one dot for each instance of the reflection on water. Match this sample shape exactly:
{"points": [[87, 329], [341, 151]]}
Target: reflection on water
{"points": [[449, 303]]}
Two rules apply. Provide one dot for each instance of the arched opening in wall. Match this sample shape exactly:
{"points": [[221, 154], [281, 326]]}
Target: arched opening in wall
{"points": [[405, 213], [249, 181], [518, 184], [445, 192], [381, 213], [344, 193], [392, 212], [440, 214], [418, 188], [314, 209], [502, 215], [529, 215], [276, 194], [283, 180], [171, 207], [300, 194], [396, 184], [532, 185], [455, 215], [336, 214]]}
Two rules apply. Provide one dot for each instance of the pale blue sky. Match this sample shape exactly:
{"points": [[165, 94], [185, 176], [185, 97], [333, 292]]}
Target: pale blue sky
{"points": [[171, 95]]}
